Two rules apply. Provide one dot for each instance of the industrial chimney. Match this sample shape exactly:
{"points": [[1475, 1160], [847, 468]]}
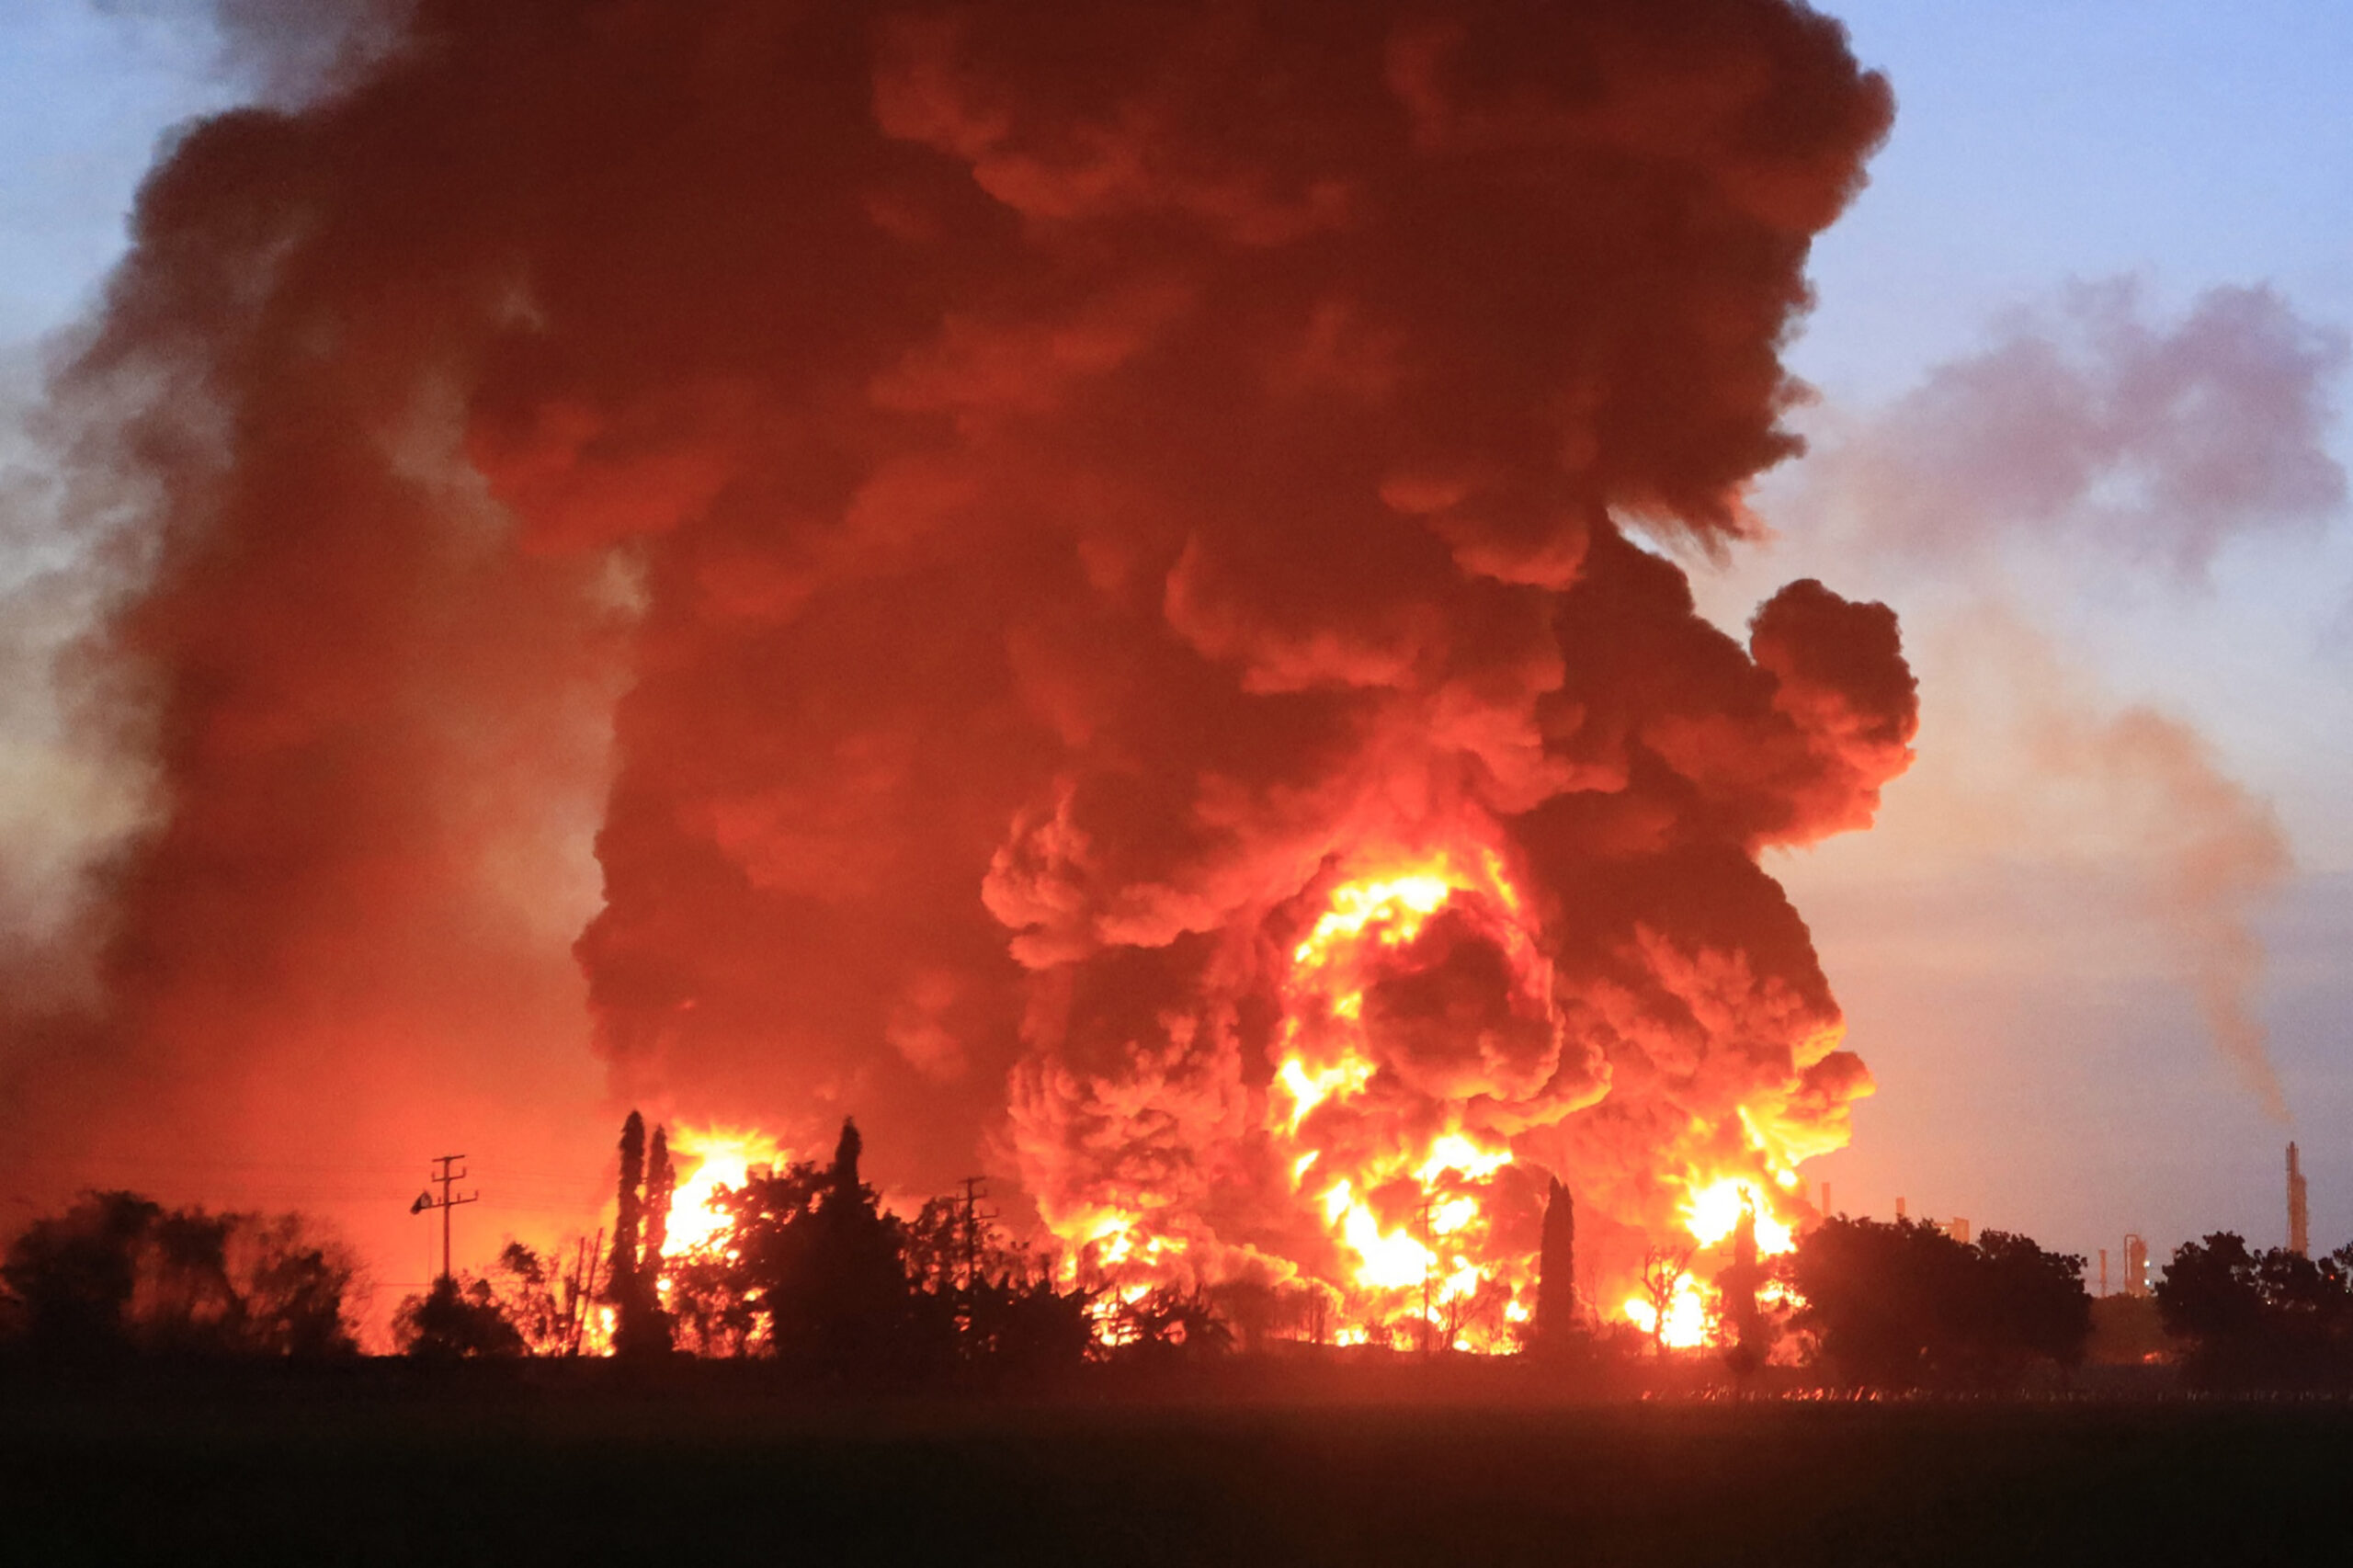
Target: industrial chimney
{"points": [[2299, 1221]]}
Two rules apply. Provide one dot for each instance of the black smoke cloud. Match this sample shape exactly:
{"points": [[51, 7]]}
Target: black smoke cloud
{"points": [[1001, 505]]}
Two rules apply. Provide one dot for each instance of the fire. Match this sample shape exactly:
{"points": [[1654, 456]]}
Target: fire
{"points": [[711, 1158], [1413, 981], [1711, 1212], [1169, 653], [1688, 1315], [1310, 1087], [1402, 1187], [1395, 909]]}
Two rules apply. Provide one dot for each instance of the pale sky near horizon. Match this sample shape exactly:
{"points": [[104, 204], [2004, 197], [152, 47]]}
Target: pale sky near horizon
{"points": [[2041, 1065]]}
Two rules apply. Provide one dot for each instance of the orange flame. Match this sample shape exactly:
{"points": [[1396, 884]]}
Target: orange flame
{"points": [[711, 1158], [1407, 1179], [1404, 1201]]}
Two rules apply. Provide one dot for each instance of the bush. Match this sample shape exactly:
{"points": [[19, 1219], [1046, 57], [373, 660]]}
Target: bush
{"points": [[118, 1275], [1905, 1305], [454, 1320], [2260, 1320]]}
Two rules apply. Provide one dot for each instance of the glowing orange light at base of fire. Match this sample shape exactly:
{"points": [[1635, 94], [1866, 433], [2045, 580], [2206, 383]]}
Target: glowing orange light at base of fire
{"points": [[711, 1158]]}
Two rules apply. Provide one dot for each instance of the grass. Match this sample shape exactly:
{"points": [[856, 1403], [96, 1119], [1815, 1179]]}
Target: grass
{"points": [[707, 1471]]}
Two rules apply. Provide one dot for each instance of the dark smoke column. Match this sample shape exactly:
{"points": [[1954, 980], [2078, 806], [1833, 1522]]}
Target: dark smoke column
{"points": [[1058, 487]]}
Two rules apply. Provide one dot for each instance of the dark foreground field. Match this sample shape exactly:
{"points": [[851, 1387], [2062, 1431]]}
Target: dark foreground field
{"points": [[382, 1470]]}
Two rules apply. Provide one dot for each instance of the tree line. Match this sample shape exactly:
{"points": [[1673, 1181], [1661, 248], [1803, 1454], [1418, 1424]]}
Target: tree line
{"points": [[2273, 1320], [1904, 1304], [811, 1272], [117, 1274]]}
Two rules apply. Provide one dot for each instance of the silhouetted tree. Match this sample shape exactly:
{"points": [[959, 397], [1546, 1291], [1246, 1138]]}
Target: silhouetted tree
{"points": [[1556, 1274], [455, 1318], [2273, 1319], [1029, 1332], [724, 1298], [1662, 1271], [714, 1303], [934, 1247], [826, 1267], [293, 1283], [1748, 1332], [1880, 1298], [1007, 1318], [1904, 1304], [640, 1222], [2029, 1305], [1252, 1311], [1169, 1327], [118, 1273], [844, 1308], [525, 1292], [661, 1183], [620, 1266], [73, 1274], [814, 1272]]}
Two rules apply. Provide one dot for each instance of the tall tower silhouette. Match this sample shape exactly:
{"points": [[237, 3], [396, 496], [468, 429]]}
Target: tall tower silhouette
{"points": [[2299, 1219]]}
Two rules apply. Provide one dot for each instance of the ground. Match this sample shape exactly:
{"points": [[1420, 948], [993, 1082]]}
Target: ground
{"points": [[696, 1473]]}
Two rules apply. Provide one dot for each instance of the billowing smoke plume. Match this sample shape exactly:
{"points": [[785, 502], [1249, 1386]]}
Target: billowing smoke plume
{"points": [[2220, 854], [1080, 498], [2090, 421], [2090, 432], [2209, 852]]}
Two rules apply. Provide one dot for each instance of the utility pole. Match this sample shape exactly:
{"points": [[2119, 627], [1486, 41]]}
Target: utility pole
{"points": [[973, 1220], [447, 1202]]}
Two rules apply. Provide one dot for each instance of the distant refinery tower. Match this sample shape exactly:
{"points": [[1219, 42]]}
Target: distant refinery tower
{"points": [[2136, 1264], [2299, 1219]]}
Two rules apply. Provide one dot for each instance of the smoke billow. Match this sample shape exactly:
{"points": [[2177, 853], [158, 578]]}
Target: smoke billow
{"points": [[1048, 499], [2220, 854], [2090, 421], [2089, 434]]}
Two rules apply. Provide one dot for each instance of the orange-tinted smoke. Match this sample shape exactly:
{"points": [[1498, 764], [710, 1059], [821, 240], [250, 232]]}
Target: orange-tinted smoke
{"points": [[1078, 480]]}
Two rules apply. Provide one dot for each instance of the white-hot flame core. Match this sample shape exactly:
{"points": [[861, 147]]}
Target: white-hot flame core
{"points": [[1712, 1213], [711, 1158], [1686, 1315]]}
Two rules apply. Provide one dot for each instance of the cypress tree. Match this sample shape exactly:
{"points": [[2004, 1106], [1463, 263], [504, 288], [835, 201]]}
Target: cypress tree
{"points": [[1556, 1271], [844, 1312], [844, 1174], [661, 1182], [1751, 1334], [622, 1273]]}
